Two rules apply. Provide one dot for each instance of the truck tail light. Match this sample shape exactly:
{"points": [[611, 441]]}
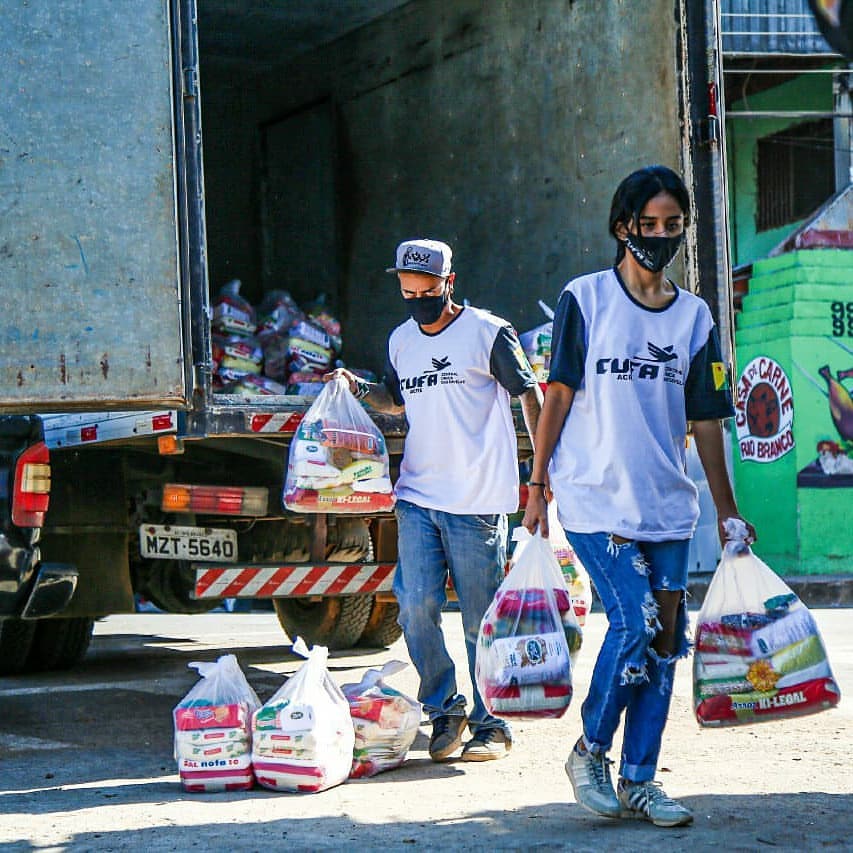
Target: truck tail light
{"points": [[32, 486], [215, 500]]}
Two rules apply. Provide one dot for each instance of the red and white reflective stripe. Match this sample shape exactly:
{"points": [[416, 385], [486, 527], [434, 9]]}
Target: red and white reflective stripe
{"points": [[278, 422], [296, 580]]}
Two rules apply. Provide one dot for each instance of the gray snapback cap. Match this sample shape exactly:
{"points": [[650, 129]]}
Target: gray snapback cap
{"points": [[426, 256]]}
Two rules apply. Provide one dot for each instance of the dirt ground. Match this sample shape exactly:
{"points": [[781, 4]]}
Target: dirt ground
{"points": [[86, 762]]}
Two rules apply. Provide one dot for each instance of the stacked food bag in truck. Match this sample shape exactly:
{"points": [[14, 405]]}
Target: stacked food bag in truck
{"points": [[275, 347]]}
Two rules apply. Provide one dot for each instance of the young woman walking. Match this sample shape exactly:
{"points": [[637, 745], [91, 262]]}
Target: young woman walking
{"points": [[634, 359]]}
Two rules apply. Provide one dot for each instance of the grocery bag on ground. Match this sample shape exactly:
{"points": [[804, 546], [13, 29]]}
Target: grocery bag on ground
{"points": [[758, 654], [527, 636], [385, 721], [338, 461], [212, 729], [303, 738]]}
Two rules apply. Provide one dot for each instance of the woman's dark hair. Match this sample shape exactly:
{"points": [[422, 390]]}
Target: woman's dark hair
{"points": [[634, 193]]}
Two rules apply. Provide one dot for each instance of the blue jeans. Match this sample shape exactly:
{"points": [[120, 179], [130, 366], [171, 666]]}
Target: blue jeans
{"points": [[472, 549], [629, 675]]}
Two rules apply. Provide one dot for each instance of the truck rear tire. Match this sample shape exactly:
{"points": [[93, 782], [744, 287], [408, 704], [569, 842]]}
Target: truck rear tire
{"points": [[60, 643], [16, 639], [168, 585], [382, 629], [334, 622]]}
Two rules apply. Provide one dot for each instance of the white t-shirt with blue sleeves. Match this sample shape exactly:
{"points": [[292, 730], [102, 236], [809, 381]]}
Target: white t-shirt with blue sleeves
{"points": [[460, 453], [639, 375]]}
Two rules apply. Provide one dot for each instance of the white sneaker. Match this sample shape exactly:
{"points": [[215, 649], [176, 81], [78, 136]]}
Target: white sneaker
{"points": [[590, 778], [648, 801]]}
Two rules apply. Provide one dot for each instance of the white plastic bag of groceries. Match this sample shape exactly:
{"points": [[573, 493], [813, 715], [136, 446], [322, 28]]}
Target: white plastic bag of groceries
{"points": [[526, 638], [576, 577], [758, 654], [385, 720], [574, 573], [303, 737], [338, 461], [212, 729]]}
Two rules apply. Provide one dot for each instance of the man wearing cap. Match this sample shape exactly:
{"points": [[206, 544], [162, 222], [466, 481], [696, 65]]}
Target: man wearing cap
{"points": [[452, 369]]}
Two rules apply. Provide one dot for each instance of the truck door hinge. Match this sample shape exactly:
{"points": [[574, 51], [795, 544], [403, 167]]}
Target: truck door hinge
{"points": [[190, 82]]}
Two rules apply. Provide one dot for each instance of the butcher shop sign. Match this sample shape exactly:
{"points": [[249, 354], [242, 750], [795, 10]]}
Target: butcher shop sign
{"points": [[764, 411]]}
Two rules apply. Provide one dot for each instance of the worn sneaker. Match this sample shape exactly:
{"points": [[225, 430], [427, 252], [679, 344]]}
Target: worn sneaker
{"points": [[487, 745], [648, 801], [447, 732], [591, 782]]}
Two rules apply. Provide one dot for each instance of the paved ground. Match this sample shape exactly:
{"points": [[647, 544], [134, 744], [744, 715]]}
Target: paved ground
{"points": [[86, 763]]}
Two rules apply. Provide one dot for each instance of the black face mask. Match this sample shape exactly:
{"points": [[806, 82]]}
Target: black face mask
{"points": [[425, 310], [653, 253]]}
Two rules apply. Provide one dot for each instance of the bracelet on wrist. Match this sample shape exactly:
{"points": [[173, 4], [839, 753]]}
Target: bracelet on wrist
{"points": [[534, 483], [362, 389]]}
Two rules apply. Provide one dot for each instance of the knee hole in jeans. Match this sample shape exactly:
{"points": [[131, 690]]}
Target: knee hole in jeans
{"points": [[671, 610]]}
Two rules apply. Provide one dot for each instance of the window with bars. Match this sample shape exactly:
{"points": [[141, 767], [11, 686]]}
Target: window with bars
{"points": [[795, 173]]}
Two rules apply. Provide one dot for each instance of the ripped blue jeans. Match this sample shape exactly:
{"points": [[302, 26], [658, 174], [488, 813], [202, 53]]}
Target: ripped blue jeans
{"points": [[629, 675]]}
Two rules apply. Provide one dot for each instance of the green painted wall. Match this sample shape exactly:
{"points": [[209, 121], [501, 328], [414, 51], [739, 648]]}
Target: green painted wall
{"points": [[809, 92], [799, 315]]}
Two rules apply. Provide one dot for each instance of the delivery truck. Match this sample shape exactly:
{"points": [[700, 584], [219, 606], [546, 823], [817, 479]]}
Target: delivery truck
{"points": [[152, 154]]}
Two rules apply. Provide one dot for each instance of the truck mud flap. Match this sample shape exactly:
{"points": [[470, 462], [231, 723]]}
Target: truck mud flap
{"points": [[300, 580], [53, 588]]}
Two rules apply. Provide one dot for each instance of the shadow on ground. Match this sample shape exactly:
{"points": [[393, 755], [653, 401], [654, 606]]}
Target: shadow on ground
{"points": [[732, 823]]}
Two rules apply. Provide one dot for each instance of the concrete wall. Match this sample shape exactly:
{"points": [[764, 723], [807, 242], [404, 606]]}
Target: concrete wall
{"points": [[501, 128]]}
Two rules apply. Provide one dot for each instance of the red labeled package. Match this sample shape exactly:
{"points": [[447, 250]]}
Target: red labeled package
{"points": [[806, 698], [217, 717], [295, 778], [515, 601], [718, 638], [336, 500], [217, 779], [526, 700]]}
